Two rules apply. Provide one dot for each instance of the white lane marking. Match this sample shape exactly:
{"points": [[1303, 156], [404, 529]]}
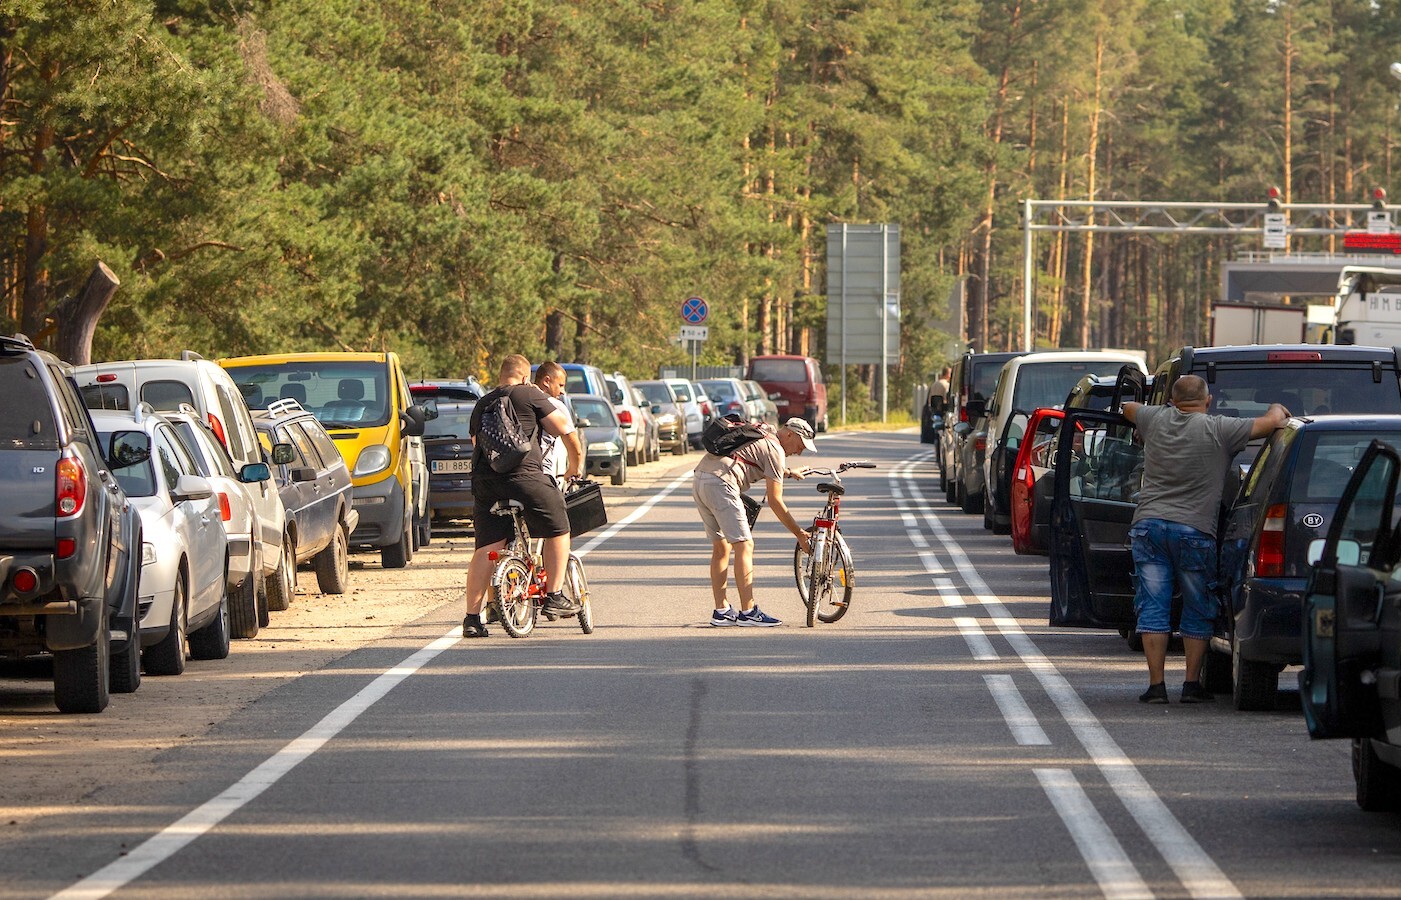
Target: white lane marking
{"points": [[1021, 721], [931, 563], [1117, 876], [918, 537], [1193, 866], [978, 644], [169, 841]]}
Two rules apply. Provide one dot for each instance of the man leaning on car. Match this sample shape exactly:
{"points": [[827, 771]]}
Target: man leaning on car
{"points": [[1186, 454]]}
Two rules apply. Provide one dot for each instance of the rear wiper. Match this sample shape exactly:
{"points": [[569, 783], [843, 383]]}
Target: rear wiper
{"points": [[436, 437], [332, 423]]}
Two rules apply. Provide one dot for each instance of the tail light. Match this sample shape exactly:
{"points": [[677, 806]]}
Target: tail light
{"points": [[106, 379], [25, 581], [225, 510], [66, 548], [1269, 555], [218, 428], [823, 523], [980, 443], [625, 416], [705, 408], [734, 407], [72, 487]]}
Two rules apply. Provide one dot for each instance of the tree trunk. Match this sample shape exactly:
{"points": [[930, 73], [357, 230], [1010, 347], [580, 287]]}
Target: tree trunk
{"points": [[554, 334], [77, 316]]}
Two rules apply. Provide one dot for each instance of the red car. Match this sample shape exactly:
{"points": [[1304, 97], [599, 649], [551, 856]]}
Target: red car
{"points": [[1032, 463]]}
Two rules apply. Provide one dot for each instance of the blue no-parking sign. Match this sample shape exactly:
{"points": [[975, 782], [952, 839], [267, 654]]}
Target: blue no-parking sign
{"points": [[694, 311]]}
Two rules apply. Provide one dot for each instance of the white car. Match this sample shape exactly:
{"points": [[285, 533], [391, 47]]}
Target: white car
{"points": [[237, 491], [639, 427], [184, 551], [690, 407]]}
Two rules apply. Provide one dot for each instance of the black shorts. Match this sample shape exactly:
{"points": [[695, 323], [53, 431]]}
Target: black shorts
{"points": [[545, 514]]}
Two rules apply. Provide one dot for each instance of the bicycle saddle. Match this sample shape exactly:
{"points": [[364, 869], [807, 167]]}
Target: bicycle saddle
{"points": [[504, 507], [828, 487]]}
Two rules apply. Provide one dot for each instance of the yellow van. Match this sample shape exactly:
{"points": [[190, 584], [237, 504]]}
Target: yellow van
{"points": [[362, 400]]}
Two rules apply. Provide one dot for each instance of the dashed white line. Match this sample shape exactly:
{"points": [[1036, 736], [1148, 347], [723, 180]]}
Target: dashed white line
{"points": [[1020, 719], [1111, 867], [977, 640]]}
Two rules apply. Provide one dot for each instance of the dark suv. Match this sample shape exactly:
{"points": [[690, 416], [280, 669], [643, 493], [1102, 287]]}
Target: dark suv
{"points": [[970, 387], [69, 538], [1099, 473]]}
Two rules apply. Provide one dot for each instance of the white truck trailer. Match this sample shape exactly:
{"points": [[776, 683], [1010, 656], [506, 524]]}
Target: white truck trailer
{"points": [[1367, 308]]}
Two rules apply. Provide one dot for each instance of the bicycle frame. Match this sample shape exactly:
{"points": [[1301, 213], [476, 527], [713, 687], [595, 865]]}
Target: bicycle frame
{"points": [[518, 582], [828, 568]]}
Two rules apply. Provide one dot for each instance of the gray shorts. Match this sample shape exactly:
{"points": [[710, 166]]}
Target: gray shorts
{"points": [[720, 508]]}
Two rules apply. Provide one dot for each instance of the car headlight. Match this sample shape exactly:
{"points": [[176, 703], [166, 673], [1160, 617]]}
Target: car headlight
{"points": [[148, 554], [374, 458], [608, 447]]}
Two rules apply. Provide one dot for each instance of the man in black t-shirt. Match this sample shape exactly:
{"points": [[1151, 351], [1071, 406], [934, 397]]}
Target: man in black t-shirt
{"points": [[545, 514]]}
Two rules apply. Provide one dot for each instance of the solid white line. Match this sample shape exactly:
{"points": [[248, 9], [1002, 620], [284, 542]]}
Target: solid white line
{"points": [[169, 841], [1117, 876], [978, 644], [1193, 866], [1020, 719]]}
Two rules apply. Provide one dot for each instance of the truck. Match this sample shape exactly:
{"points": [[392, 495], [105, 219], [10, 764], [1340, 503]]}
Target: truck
{"points": [[1248, 323], [1367, 307]]}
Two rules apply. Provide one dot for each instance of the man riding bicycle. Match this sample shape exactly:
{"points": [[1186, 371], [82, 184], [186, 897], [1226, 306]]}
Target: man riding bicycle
{"points": [[527, 484]]}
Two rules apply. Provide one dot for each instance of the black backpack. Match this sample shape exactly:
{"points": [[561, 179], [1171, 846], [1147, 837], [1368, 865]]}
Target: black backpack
{"points": [[502, 439], [727, 434]]}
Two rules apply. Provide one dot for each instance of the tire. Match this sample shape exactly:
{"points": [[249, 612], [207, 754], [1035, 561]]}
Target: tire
{"points": [[1134, 640], [1216, 672], [965, 502], [655, 450], [817, 576], [82, 677], [212, 641], [333, 563], [397, 555], [620, 474], [576, 588], [168, 656], [413, 537], [124, 666], [425, 531], [943, 479], [264, 614], [1378, 784], [1253, 684], [282, 586], [510, 587], [988, 522], [950, 490], [243, 606]]}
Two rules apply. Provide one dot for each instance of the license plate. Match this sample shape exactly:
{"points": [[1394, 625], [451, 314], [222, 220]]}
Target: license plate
{"points": [[452, 466]]}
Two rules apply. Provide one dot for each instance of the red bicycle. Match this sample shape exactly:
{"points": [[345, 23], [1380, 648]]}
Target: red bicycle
{"points": [[518, 579]]}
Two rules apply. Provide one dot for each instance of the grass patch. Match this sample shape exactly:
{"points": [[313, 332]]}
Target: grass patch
{"points": [[894, 422]]}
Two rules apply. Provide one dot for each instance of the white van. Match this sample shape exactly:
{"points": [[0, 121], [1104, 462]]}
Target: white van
{"points": [[1025, 384]]}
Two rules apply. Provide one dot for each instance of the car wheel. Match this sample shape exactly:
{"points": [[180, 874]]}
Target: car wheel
{"points": [[943, 479], [1134, 639], [950, 490], [1216, 672], [264, 614], [333, 563], [168, 656], [988, 521], [966, 501], [82, 677], [212, 641], [1253, 684], [397, 555], [282, 586], [620, 474], [1378, 784], [243, 605], [426, 531]]}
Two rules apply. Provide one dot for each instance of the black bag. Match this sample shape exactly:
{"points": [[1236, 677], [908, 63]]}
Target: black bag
{"points": [[727, 434], [502, 439], [583, 501], [752, 508]]}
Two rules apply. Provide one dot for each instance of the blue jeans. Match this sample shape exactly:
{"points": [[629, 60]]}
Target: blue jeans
{"points": [[1167, 554]]}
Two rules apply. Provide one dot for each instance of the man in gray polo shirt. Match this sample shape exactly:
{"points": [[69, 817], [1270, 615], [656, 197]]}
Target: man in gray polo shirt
{"points": [[1186, 455]]}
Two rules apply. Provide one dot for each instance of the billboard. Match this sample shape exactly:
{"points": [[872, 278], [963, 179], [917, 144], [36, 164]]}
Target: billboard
{"points": [[863, 294]]}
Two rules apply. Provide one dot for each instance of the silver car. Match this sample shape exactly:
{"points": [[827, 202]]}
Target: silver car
{"points": [[690, 407], [184, 554]]}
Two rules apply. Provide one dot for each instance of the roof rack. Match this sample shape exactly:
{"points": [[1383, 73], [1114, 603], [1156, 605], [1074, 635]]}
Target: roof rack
{"points": [[16, 342], [283, 407]]}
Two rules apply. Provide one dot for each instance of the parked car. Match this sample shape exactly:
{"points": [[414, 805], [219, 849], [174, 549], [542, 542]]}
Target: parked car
{"points": [[443, 389], [707, 406], [1352, 629], [1026, 384], [580, 378], [689, 404], [70, 539], [671, 418], [236, 490], [728, 395], [1285, 504], [1097, 478], [183, 593], [653, 421], [315, 485], [363, 401], [605, 448], [970, 386], [447, 443], [167, 384], [762, 409], [639, 426], [794, 384]]}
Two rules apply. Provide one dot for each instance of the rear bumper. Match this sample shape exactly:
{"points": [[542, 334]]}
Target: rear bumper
{"points": [[603, 465], [1270, 621], [72, 615], [453, 500]]}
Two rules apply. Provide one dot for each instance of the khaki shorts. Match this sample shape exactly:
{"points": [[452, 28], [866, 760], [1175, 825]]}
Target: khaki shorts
{"points": [[720, 508]]}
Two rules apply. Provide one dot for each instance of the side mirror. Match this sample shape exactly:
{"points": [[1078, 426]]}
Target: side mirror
{"points": [[656, 409], [1349, 552], [282, 454], [128, 448], [430, 409], [303, 473], [254, 473], [414, 418], [939, 425], [962, 429], [191, 487]]}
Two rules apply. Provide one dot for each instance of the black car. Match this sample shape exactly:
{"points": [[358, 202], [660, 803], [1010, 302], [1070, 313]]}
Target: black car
{"points": [[1352, 630], [314, 484], [1287, 502], [448, 446], [970, 386], [1098, 475], [69, 538]]}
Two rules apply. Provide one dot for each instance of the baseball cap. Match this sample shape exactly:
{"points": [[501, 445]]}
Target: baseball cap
{"points": [[802, 429]]}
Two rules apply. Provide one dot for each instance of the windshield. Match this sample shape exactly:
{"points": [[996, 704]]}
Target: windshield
{"points": [[1304, 390], [1047, 383], [794, 370], [720, 390], [596, 412], [985, 379], [339, 394], [654, 391], [682, 392], [452, 421]]}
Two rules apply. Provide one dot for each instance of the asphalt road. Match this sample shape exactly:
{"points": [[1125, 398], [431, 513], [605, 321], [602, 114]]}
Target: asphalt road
{"points": [[940, 741]]}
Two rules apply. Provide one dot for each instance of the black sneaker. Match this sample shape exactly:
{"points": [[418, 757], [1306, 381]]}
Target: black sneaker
{"points": [[1156, 693], [472, 627], [1193, 692], [555, 602]]}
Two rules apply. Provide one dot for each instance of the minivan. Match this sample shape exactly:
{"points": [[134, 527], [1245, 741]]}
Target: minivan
{"points": [[795, 385]]}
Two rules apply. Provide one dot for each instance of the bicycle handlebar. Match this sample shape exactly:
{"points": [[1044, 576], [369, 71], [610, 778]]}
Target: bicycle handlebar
{"points": [[857, 464]]}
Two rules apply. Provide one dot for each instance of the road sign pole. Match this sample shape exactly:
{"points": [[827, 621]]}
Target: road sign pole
{"points": [[884, 316], [842, 376]]}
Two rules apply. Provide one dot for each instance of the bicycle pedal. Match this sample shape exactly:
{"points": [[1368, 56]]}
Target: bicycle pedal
{"points": [[549, 616]]}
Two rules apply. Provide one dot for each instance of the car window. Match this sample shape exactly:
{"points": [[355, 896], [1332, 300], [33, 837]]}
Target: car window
{"points": [[1265, 461], [26, 419], [138, 479], [985, 379], [597, 412], [235, 422], [576, 382], [682, 391], [1047, 383], [1246, 392], [322, 441], [167, 459], [1325, 463], [791, 370], [1106, 462], [106, 396], [720, 390], [166, 396], [304, 446], [69, 406], [1365, 520], [209, 456], [452, 422], [655, 392]]}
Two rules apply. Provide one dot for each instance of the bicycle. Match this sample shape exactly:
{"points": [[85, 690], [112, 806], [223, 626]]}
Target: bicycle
{"points": [[819, 574], [518, 579]]}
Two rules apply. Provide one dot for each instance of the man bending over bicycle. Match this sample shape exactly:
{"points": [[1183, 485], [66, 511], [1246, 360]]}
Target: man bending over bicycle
{"points": [[528, 484], [716, 487]]}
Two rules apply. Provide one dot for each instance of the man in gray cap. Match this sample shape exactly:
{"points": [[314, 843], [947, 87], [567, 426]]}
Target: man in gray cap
{"points": [[718, 483]]}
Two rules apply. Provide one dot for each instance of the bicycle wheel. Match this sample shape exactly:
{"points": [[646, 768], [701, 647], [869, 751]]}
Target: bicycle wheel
{"points": [[819, 567], [510, 585], [576, 588], [802, 564], [839, 582]]}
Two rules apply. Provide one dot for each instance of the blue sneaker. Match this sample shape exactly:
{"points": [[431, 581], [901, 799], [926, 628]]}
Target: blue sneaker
{"points": [[756, 618], [723, 617]]}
